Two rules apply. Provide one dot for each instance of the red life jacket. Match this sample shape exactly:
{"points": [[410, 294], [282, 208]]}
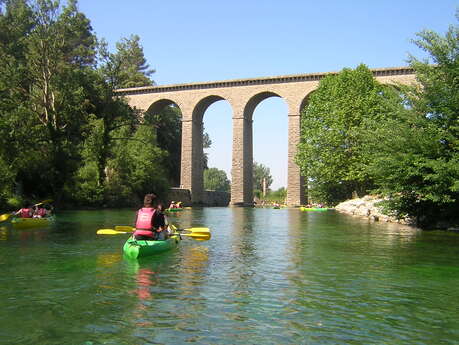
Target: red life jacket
{"points": [[143, 224], [26, 213], [41, 212]]}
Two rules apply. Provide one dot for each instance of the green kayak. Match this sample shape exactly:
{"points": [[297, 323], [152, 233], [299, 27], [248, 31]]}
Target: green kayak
{"points": [[174, 209], [134, 249]]}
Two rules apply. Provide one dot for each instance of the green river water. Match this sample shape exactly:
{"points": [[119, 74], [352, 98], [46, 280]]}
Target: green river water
{"points": [[266, 277]]}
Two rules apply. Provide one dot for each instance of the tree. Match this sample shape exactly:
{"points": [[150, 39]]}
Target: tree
{"points": [[115, 128], [17, 131], [62, 130], [260, 173], [277, 196], [127, 67], [331, 151], [113, 72], [137, 166], [168, 126], [48, 52], [60, 49], [215, 179], [416, 161], [206, 143]]}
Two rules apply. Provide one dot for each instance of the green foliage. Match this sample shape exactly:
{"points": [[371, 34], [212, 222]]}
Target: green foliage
{"points": [[87, 188], [215, 179], [59, 120], [260, 173], [45, 52], [278, 196], [14, 202], [206, 143], [328, 192], [146, 163], [137, 167], [127, 67], [168, 126], [417, 152], [333, 127]]}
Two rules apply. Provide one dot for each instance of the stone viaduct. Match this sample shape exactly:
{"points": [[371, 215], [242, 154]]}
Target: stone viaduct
{"points": [[243, 96]]}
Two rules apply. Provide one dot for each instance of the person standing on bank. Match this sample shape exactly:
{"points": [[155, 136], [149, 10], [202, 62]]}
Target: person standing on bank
{"points": [[145, 218]]}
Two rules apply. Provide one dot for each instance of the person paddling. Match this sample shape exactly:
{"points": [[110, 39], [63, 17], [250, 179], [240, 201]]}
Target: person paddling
{"points": [[40, 212], [25, 211], [160, 223], [144, 219]]}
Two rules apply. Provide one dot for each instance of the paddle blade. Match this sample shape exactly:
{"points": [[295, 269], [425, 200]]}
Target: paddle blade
{"points": [[47, 201], [110, 232], [124, 228], [5, 217], [202, 230], [199, 237]]}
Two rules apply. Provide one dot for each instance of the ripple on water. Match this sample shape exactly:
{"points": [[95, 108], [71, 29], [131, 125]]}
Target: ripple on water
{"points": [[265, 277]]}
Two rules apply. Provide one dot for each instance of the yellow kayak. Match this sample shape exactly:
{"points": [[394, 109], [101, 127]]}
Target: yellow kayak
{"points": [[27, 223]]}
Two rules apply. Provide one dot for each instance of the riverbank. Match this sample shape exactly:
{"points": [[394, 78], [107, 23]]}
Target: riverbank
{"points": [[367, 207]]}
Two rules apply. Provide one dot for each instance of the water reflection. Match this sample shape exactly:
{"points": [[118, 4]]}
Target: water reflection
{"points": [[3, 233], [107, 260]]}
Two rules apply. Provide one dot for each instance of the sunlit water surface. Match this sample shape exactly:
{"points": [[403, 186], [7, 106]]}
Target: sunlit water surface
{"points": [[266, 277]]}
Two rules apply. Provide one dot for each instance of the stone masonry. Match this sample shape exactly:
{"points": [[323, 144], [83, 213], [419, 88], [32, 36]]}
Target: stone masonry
{"points": [[243, 96]]}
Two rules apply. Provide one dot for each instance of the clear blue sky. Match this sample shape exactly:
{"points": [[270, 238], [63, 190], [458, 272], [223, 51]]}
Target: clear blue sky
{"points": [[203, 40]]}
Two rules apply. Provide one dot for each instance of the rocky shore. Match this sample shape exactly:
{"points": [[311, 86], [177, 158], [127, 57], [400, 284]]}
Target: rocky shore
{"points": [[367, 207]]}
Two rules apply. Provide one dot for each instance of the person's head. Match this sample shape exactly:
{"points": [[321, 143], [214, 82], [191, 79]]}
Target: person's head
{"points": [[148, 199], [160, 207]]}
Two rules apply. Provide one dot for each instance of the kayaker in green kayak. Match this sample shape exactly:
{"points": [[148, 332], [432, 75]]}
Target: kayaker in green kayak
{"points": [[150, 222], [160, 223]]}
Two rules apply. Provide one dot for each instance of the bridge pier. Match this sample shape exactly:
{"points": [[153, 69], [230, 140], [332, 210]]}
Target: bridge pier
{"points": [[242, 162], [295, 182], [191, 174]]}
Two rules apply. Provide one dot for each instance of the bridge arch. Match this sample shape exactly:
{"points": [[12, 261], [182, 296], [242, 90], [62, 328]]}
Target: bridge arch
{"points": [[157, 106], [195, 124], [165, 107], [243, 95]]}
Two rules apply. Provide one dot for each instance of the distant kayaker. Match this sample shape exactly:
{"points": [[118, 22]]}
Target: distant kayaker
{"points": [[172, 205], [145, 218], [25, 212], [40, 212]]}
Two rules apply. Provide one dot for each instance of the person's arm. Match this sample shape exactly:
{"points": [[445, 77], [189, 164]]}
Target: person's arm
{"points": [[135, 218], [158, 223], [153, 220]]}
